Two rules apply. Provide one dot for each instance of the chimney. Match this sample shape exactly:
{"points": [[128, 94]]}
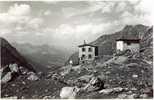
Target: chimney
{"points": [[84, 42]]}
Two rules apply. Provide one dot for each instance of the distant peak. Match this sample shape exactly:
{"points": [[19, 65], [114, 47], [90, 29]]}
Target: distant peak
{"points": [[128, 26], [3, 41], [140, 25]]}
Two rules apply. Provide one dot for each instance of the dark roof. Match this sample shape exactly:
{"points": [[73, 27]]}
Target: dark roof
{"points": [[87, 45], [129, 40]]}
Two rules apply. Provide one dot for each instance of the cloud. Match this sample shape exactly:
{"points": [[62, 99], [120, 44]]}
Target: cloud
{"points": [[104, 7], [68, 25], [19, 10], [121, 6], [108, 7], [16, 14], [129, 18], [134, 2], [70, 11], [74, 35], [46, 13], [142, 13], [18, 18], [35, 23], [144, 6]]}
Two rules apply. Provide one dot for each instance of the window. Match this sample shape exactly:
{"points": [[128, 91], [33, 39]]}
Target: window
{"points": [[83, 62], [89, 56], [82, 57], [83, 49], [128, 43], [90, 49]]}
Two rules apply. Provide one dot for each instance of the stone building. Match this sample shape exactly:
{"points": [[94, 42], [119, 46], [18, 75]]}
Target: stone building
{"points": [[128, 44], [87, 53]]}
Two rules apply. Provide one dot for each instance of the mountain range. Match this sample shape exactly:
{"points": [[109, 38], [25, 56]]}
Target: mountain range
{"points": [[44, 57]]}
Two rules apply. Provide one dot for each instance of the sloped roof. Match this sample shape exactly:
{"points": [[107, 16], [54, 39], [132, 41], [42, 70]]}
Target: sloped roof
{"points": [[87, 45], [129, 40]]}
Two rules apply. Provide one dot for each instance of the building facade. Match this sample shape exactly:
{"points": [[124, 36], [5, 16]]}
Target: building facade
{"points": [[87, 53], [128, 44]]}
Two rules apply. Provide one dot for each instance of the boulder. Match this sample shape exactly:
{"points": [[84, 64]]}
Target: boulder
{"points": [[49, 76], [6, 78], [118, 89], [135, 76], [132, 96], [122, 96], [23, 70], [32, 76], [107, 72], [113, 90], [69, 92], [144, 96], [13, 85], [47, 97], [13, 97], [148, 91], [133, 89], [129, 92], [132, 65], [1, 71], [13, 67], [106, 91]]}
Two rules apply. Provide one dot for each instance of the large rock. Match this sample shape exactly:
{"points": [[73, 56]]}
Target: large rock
{"points": [[8, 72], [69, 92], [106, 91], [126, 96], [6, 78], [13, 67], [122, 96], [144, 96], [32, 76], [133, 96], [23, 70], [148, 91], [132, 65], [118, 89], [113, 90], [1, 70]]}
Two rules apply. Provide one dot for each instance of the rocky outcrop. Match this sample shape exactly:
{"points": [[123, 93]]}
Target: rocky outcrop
{"points": [[12, 71]]}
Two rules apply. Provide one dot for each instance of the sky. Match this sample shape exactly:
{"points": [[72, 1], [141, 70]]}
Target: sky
{"points": [[68, 23]]}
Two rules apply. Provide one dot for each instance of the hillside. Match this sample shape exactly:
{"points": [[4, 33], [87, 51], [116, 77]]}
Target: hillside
{"points": [[20, 79], [126, 75], [14, 68], [10, 55], [107, 43]]}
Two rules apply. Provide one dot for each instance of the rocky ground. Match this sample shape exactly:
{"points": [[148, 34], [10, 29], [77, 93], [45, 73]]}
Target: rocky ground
{"points": [[128, 73], [28, 85], [125, 76]]}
